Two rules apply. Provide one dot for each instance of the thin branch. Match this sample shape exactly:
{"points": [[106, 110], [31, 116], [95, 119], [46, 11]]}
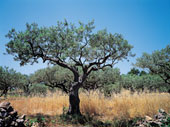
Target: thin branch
{"points": [[77, 62], [99, 63]]}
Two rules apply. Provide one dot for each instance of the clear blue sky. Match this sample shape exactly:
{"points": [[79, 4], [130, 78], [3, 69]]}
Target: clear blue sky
{"points": [[144, 23]]}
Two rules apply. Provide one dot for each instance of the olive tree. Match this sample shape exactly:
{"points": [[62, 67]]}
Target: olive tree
{"points": [[144, 82], [104, 80], [157, 63], [5, 79], [135, 71], [69, 46], [9, 79], [24, 83], [53, 77]]}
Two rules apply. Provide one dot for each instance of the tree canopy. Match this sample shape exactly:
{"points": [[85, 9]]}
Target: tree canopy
{"points": [[158, 63], [66, 45]]}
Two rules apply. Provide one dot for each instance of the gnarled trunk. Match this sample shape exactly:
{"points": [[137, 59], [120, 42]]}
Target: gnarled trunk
{"points": [[74, 101]]}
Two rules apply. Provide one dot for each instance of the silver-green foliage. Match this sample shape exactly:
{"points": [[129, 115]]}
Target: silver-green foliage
{"points": [[145, 82], [158, 63], [10, 80]]}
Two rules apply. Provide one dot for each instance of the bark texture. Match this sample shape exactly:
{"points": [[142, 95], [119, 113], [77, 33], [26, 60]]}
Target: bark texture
{"points": [[74, 101]]}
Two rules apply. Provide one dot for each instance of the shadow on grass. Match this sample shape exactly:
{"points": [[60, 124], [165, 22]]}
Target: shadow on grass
{"points": [[41, 120], [90, 121]]}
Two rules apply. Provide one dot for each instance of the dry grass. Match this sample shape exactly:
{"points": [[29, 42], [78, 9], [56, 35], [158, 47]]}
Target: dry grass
{"points": [[123, 105]]}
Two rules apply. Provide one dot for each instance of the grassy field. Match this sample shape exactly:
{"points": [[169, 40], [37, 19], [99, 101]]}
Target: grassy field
{"points": [[119, 106]]}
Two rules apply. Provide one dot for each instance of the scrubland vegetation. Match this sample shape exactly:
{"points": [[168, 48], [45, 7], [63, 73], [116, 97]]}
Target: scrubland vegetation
{"points": [[82, 68]]}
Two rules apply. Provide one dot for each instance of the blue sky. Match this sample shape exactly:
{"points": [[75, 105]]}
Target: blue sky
{"points": [[144, 23]]}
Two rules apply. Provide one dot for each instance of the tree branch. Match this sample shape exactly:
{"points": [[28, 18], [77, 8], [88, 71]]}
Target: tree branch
{"points": [[58, 85], [99, 63], [55, 84]]}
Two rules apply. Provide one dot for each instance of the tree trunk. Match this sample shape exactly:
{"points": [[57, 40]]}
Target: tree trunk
{"points": [[26, 90], [74, 101], [5, 91]]}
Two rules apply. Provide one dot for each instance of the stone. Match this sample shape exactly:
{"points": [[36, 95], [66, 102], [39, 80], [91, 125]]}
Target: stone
{"points": [[9, 117], [154, 124], [8, 120], [19, 120], [1, 120], [34, 125], [2, 110], [162, 111], [141, 125], [147, 118], [13, 113], [10, 109], [16, 124], [160, 119], [3, 114], [4, 105], [23, 117], [13, 123]]}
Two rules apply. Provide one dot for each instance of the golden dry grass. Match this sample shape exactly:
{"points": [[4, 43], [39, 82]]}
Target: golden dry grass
{"points": [[123, 105]]}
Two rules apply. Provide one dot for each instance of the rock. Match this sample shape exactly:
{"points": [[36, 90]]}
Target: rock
{"points": [[23, 117], [20, 120], [10, 109], [147, 118], [160, 116], [13, 113], [9, 117], [162, 111], [3, 114], [13, 123], [141, 125], [159, 120], [1, 120], [154, 124], [4, 105], [2, 110], [16, 124], [34, 125]]}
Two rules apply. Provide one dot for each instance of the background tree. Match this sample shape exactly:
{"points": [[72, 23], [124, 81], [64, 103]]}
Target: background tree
{"points": [[157, 63], [24, 84], [9, 79], [143, 73], [70, 47], [104, 80], [38, 90], [149, 82], [134, 71], [54, 77]]}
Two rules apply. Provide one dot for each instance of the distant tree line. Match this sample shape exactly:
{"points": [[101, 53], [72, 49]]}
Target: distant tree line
{"points": [[107, 81]]}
